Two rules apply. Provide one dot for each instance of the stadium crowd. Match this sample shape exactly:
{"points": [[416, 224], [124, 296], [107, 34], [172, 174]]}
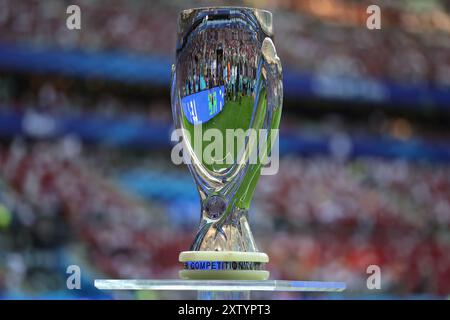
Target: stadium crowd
{"points": [[308, 40], [319, 218]]}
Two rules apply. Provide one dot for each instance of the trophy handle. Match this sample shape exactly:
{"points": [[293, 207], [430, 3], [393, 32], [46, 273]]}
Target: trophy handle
{"points": [[274, 89], [274, 83], [271, 78]]}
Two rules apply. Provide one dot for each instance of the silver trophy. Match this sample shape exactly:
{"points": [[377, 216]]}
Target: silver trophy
{"points": [[226, 87]]}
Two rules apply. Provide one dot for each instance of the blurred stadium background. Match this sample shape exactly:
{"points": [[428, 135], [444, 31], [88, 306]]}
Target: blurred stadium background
{"points": [[85, 170]]}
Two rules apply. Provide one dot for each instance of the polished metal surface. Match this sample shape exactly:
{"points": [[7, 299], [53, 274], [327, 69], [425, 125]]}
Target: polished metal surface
{"points": [[227, 76]]}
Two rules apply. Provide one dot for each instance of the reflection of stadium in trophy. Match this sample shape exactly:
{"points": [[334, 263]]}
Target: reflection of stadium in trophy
{"points": [[217, 74], [218, 68], [224, 57], [227, 78]]}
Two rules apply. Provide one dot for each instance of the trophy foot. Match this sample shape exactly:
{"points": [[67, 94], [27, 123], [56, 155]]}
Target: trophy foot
{"points": [[224, 265], [224, 275]]}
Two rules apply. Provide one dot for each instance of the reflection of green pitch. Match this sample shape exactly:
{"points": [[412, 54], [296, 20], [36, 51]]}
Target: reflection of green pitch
{"points": [[234, 115]]}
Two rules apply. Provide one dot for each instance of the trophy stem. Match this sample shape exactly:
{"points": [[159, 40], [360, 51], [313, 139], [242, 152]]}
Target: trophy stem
{"points": [[231, 232], [224, 249]]}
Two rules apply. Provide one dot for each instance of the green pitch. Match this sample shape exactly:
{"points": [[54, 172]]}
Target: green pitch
{"points": [[236, 114]]}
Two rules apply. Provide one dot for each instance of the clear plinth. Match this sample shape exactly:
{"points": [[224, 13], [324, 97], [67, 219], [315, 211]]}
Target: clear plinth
{"points": [[221, 289]]}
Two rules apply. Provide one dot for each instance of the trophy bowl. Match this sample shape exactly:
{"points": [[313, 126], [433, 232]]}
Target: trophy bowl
{"points": [[226, 102]]}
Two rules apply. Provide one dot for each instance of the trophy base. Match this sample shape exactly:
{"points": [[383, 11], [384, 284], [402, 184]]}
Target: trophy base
{"points": [[224, 275], [223, 265]]}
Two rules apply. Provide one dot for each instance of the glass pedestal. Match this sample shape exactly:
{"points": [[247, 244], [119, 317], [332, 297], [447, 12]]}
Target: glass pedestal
{"points": [[221, 289]]}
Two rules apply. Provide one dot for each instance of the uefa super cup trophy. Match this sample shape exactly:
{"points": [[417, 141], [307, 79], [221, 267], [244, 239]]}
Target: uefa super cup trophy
{"points": [[226, 89]]}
